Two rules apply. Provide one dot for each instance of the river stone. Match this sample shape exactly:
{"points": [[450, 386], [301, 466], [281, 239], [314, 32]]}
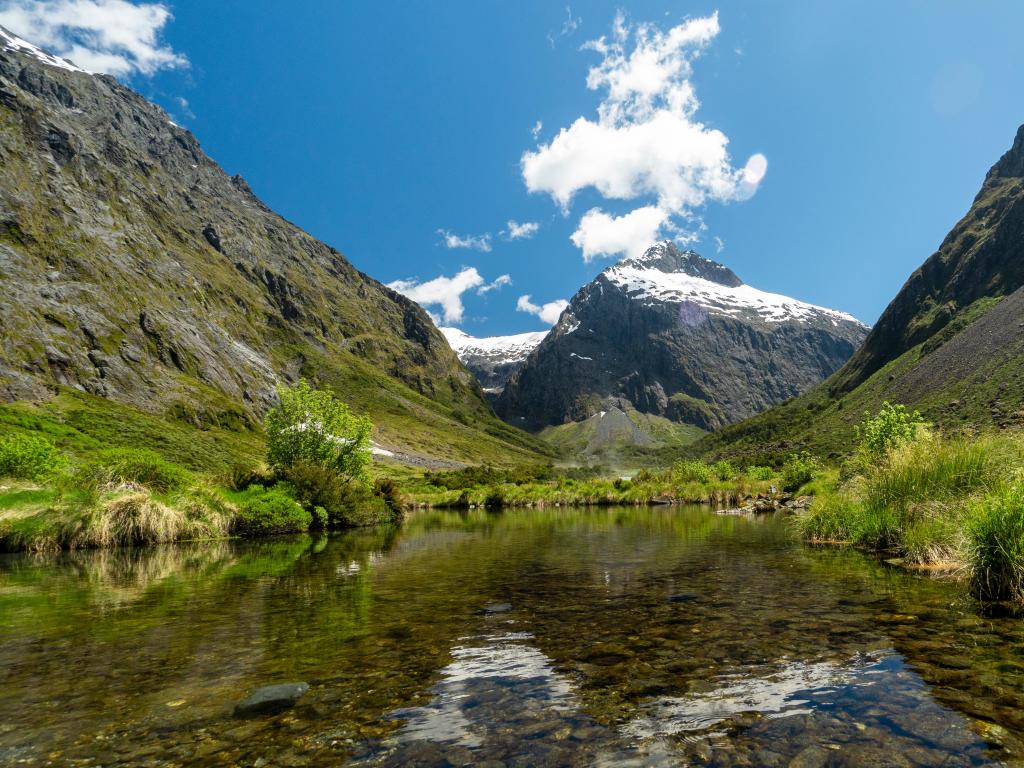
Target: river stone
{"points": [[498, 608], [271, 699]]}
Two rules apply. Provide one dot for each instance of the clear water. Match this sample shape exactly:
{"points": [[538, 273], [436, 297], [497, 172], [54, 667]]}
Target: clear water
{"points": [[562, 637]]}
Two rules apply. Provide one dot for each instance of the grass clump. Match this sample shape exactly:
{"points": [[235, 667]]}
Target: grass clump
{"points": [[928, 499], [995, 540]]}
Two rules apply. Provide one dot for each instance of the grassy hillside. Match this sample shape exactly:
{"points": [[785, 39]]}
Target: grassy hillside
{"points": [[969, 375], [140, 275], [621, 438]]}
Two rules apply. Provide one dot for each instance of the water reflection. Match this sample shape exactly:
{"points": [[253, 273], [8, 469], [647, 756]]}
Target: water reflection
{"points": [[633, 636]]}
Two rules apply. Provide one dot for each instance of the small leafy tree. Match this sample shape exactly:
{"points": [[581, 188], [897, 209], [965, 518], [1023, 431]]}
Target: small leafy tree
{"points": [[894, 425], [799, 469], [314, 427]]}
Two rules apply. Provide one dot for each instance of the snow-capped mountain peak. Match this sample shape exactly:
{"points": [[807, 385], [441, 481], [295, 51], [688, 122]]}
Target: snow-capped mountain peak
{"points": [[664, 274], [494, 358], [11, 42]]}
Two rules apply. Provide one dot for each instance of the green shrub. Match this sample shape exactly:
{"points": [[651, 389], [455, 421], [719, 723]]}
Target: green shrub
{"points": [[138, 465], [495, 498], [891, 427], [242, 476], [317, 486], [799, 470], [995, 533], [691, 472], [313, 427], [29, 457], [387, 489], [760, 473], [266, 511], [723, 470]]}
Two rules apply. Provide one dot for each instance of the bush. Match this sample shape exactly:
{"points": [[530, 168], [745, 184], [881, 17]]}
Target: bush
{"points": [[387, 489], [723, 470], [760, 473], [243, 476], [798, 470], [691, 472], [893, 426], [316, 486], [29, 457], [995, 534], [269, 511], [313, 427], [138, 465]]}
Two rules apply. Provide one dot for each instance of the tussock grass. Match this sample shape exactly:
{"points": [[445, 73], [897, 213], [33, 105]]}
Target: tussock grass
{"points": [[955, 502]]}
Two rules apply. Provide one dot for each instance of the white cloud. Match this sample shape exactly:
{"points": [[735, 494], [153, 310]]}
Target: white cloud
{"points": [[646, 140], [443, 292], [537, 128], [500, 282], [476, 242], [520, 231], [570, 25], [116, 37], [600, 234], [719, 244], [549, 312]]}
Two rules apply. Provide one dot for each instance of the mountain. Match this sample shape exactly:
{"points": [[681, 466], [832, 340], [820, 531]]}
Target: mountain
{"points": [[493, 359], [676, 335], [137, 272], [951, 343]]}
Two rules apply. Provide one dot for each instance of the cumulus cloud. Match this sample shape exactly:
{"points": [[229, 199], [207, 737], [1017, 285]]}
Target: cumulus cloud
{"points": [[475, 242], [645, 140], [499, 282], [116, 37], [549, 312], [443, 292], [516, 231], [600, 234]]}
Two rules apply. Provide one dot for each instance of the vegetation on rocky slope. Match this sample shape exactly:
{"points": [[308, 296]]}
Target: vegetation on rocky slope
{"points": [[136, 270]]}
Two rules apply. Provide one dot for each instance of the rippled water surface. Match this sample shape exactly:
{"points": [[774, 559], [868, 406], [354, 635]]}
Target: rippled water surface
{"points": [[559, 637]]}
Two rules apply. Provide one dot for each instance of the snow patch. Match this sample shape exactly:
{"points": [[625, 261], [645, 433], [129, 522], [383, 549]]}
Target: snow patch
{"points": [[650, 283], [499, 349], [12, 42]]}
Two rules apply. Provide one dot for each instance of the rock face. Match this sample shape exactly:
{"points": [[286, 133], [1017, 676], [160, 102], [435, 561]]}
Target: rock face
{"points": [[676, 335], [982, 257], [493, 359], [271, 699], [134, 268]]}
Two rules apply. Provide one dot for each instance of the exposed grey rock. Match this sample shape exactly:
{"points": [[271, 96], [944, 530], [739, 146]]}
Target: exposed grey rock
{"points": [[271, 699]]}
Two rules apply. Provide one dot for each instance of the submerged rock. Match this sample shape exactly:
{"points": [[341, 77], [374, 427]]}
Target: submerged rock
{"points": [[271, 699], [498, 608]]}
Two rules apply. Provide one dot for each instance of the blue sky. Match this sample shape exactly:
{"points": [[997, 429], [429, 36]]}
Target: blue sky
{"points": [[383, 127]]}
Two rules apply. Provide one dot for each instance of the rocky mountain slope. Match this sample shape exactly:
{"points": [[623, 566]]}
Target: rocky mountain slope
{"points": [[135, 270], [951, 342], [493, 359], [675, 335]]}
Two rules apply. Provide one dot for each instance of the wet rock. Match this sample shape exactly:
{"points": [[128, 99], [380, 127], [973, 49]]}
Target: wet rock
{"points": [[498, 608], [271, 699], [683, 597]]}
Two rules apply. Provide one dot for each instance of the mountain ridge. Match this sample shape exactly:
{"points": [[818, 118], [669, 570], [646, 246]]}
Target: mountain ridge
{"points": [[655, 334], [950, 343], [137, 270]]}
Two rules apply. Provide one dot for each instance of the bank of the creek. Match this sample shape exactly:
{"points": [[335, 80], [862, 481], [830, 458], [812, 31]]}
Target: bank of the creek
{"points": [[632, 636]]}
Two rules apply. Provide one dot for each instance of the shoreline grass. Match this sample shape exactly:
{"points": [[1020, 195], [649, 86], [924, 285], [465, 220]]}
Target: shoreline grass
{"points": [[933, 502]]}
